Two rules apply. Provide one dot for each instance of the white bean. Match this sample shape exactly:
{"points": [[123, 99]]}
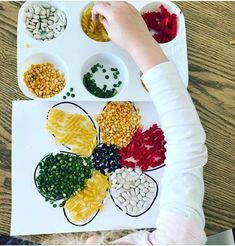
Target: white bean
{"points": [[113, 176], [118, 171], [145, 206], [31, 26], [132, 192], [126, 203], [146, 199], [149, 195], [121, 199], [140, 204], [145, 190], [37, 36], [140, 197], [135, 211], [31, 10], [146, 184], [29, 15], [138, 171], [44, 24], [37, 10], [134, 198], [38, 26], [46, 6], [152, 190], [125, 195], [143, 180], [120, 191], [129, 208], [132, 202], [36, 17], [42, 12], [142, 193], [115, 195], [119, 186]]}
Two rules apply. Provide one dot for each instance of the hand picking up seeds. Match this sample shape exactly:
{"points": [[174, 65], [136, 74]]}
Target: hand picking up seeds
{"points": [[44, 80], [44, 22]]}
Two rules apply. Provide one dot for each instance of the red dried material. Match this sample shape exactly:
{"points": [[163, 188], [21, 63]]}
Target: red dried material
{"points": [[146, 149], [163, 23]]}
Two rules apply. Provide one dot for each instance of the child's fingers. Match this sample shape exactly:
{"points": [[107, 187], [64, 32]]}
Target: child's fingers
{"points": [[100, 8], [105, 24]]}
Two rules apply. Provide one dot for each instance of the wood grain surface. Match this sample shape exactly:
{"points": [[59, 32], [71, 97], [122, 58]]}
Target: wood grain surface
{"points": [[210, 27]]}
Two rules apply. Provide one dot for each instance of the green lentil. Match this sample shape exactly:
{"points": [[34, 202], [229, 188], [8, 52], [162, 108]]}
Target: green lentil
{"points": [[72, 95], [60, 175], [71, 89], [68, 94], [64, 97]]}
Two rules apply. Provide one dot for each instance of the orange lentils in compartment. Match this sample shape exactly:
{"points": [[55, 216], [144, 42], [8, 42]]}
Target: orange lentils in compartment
{"points": [[44, 80]]}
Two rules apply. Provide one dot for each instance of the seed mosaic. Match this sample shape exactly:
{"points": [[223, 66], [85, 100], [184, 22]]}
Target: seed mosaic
{"points": [[115, 165]]}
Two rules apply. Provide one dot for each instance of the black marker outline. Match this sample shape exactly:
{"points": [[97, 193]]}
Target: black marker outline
{"points": [[155, 168], [86, 223], [157, 191]]}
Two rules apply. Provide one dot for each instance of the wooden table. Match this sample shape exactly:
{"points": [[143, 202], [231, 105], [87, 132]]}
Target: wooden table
{"points": [[210, 26]]}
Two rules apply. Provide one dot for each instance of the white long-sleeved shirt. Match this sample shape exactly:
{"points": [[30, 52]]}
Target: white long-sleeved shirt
{"points": [[181, 218]]}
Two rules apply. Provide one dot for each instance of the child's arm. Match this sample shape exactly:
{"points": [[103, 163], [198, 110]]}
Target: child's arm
{"points": [[181, 218]]}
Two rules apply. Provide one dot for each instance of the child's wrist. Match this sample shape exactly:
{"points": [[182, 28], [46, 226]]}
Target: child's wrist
{"points": [[146, 53]]}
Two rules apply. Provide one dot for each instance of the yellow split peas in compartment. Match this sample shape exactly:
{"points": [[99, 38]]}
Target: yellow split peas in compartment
{"points": [[44, 80]]}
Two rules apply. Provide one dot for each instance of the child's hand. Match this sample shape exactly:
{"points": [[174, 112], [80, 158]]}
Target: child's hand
{"points": [[126, 27], [123, 22]]}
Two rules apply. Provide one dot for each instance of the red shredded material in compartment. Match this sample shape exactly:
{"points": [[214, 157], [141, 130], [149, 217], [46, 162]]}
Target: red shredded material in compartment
{"points": [[146, 149], [163, 23]]}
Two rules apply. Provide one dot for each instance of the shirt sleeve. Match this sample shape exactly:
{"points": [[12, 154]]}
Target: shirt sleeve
{"points": [[181, 218]]}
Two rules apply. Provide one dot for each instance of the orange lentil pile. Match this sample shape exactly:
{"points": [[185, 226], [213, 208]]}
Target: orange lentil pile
{"points": [[118, 122], [44, 80]]}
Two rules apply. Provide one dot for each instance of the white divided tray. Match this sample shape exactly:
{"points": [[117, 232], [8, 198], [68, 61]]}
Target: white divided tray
{"points": [[73, 53]]}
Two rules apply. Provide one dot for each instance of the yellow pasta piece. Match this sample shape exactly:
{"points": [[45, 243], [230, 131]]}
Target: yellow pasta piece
{"points": [[93, 29], [88, 201], [73, 130]]}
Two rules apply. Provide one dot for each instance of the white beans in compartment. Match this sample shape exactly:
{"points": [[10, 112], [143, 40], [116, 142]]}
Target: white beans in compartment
{"points": [[43, 21]]}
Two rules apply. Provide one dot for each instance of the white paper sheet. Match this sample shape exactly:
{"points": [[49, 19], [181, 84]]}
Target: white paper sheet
{"points": [[30, 143]]}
